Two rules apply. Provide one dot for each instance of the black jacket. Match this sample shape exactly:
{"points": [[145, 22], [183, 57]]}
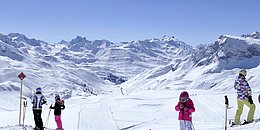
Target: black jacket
{"points": [[59, 105]]}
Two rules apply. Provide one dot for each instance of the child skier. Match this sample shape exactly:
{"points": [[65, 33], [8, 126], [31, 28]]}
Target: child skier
{"points": [[59, 105], [185, 107]]}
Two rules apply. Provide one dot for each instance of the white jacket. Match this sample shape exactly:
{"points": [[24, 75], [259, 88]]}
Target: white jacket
{"points": [[38, 100]]}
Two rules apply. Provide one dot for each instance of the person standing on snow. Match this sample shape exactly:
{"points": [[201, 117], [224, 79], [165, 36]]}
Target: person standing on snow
{"points": [[244, 97], [59, 105], [185, 107], [38, 100]]}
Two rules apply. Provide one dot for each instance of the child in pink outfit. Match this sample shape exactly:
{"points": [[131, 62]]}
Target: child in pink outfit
{"points": [[185, 107], [59, 105]]}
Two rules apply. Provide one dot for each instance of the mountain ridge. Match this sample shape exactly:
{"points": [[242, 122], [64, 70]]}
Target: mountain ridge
{"points": [[115, 63], [205, 67]]}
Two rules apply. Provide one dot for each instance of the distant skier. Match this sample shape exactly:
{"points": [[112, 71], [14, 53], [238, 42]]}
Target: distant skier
{"points": [[38, 100], [185, 107], [59, 105], [259, 98], [244, 97]]}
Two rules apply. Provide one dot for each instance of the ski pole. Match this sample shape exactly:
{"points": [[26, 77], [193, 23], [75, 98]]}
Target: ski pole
{"points": [[192, 125], [47, 120], [227, 104], [24, 110]]}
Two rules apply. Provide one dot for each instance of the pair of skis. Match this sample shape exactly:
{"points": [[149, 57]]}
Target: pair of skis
{"points": [[24, 112], [245, 123]]}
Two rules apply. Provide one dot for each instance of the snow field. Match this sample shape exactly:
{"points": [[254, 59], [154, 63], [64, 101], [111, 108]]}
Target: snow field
{"points": [[138, 111]]}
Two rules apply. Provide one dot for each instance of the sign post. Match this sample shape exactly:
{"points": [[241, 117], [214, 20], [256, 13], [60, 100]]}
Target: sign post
{"points": [[21, 77]]}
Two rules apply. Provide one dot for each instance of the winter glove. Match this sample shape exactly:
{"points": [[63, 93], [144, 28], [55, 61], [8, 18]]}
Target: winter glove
{"points": [[187, 108], [181, 106], [62, 107], [250, 100], [44, 102]]}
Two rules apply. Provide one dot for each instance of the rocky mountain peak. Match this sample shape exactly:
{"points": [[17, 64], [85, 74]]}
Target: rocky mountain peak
{"points": [[255, 35]]}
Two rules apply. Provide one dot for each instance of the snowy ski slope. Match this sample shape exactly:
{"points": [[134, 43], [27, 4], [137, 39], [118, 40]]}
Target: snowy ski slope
{"points": [[137, 111]]}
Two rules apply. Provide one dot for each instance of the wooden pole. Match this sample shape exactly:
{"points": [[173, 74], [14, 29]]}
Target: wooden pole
{"points": [[21, 92]]}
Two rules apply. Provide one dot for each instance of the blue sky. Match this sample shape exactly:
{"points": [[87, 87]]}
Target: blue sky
{"points": [[192, 21]]}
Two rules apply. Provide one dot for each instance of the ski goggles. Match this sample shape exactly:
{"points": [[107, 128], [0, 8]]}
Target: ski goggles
{"points": [[184, 99]]}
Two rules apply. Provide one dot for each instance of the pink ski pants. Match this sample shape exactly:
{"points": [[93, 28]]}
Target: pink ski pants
{"points": [[58, 121]]}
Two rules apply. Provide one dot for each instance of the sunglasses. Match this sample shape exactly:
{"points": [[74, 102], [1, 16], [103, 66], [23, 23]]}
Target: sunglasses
{"points": [[184, 99]]}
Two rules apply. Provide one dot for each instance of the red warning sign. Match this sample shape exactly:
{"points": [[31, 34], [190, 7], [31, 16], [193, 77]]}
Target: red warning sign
{"points": [[21, 75]]}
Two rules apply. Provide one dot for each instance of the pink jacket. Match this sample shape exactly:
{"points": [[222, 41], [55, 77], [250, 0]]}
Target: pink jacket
{"points": [[185, 113]]}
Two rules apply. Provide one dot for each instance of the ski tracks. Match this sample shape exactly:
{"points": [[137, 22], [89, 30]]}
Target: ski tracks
{"points": [[209, 109], [97, 117]]}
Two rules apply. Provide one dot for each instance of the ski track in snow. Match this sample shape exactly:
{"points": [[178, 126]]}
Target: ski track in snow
{"points": [[208, 106], [98, 117]]}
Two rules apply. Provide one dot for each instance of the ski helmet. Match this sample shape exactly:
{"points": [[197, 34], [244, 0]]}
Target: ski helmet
{"points": [[184, 94], [57, 97], [39, 89], [184, 97], [243, 72]]}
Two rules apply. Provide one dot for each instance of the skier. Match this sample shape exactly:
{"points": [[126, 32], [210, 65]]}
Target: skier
{"points": [[244, 97], [59, 105], [185, 107], [38, 100], [259, 98]]}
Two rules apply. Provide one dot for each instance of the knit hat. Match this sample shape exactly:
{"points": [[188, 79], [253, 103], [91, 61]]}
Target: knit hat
{"points": [[57, 97], [243, 72], [184, 94], [38, 89], [184, 97]]}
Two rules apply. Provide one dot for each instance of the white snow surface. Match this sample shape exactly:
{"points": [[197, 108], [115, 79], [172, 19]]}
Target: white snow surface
{"points": [[137, 111]]}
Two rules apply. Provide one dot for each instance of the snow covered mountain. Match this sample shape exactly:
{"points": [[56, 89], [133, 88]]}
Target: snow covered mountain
{"points": [[82, 66], [205, 67], [73, 62], [254, 35], [134, 57]]}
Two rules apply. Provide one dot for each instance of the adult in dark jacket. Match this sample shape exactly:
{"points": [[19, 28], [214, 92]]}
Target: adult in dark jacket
{"points": [[38, 100], [59, 105]]}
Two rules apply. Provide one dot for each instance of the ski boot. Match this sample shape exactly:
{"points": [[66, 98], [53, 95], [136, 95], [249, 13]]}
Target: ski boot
{"points": [[247, 122], [36, 128], [234, 124]]}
